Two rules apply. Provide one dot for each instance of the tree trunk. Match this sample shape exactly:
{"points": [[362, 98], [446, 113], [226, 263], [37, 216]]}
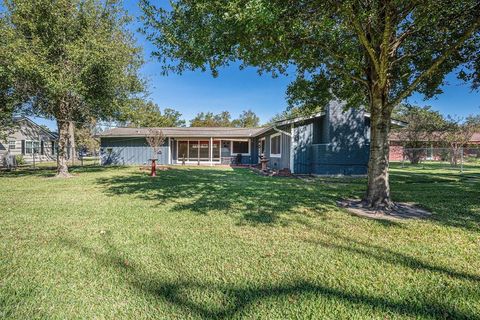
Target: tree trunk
{"points": [[71, 139], [63, 137], [378, 188]]}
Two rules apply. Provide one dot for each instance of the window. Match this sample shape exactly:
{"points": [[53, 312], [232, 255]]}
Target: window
{"points": [[11, 144], [261, 146], [53, 147], [182, 150], [240, 147], [318, 131], [193, 150], [216, 150], [275, 148], [32, 147], [204, 150]]}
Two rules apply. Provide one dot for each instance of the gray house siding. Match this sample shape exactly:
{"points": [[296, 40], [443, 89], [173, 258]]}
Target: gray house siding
{"points": [[347, 149], [283, 161], [128, 151]]}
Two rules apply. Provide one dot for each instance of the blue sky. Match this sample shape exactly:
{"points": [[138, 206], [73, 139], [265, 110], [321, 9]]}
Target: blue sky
{"points": [[237, 90]]}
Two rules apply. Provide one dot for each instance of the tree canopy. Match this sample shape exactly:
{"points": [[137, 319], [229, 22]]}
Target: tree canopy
{"points": [[148, 114], [209, 119], [69, 60], [367, 53], [247, 119]]}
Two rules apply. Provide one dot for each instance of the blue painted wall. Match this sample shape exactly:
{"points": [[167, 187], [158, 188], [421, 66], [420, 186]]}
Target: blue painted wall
{"points": [[336, 143], [128, 151]]}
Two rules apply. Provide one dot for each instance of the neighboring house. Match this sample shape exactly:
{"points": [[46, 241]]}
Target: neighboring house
{"points": [[397, 143], [331, 142], [31, 141]]}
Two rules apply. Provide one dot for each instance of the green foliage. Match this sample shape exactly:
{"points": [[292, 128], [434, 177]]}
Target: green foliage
{"points": [[148, 114], [424, 125], [458, 131], [69, 60], [208, 119], [247, 119], [19, 159], [222, 243], [85, 138], [75, 51], [339, 48]]}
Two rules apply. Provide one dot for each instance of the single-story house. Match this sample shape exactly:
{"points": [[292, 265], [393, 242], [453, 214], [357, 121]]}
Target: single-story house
{"points": [[335, 141], [397, 144], [31, 141]]}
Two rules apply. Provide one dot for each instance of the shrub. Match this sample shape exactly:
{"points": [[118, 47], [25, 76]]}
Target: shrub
{"points": [[19, 159]]}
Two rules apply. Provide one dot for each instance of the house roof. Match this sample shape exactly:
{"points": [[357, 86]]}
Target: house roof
{"points": [[53, 135], [435, 136], [212, 132], [184, 132]]}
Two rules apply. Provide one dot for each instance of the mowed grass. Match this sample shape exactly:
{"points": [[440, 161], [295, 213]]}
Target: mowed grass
{"points": [[193, 243]]}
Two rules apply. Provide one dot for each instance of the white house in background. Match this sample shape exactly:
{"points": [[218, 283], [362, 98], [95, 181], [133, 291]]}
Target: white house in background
{"points": [[30, 140]]}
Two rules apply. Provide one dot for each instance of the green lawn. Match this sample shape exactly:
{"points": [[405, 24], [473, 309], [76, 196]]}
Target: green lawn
{"points": [[225, 243]]}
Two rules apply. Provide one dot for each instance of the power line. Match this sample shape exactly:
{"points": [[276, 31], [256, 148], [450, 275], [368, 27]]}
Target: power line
{"points": [[102, 124]]}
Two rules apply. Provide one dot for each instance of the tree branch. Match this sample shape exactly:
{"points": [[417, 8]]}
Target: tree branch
{"points": [[384, 47], [435, 64], [363, 39], [398, 41]]}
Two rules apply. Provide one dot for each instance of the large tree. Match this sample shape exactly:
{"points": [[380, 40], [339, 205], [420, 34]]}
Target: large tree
{"points": [[70, 60], [148, 114], [372, 53]]}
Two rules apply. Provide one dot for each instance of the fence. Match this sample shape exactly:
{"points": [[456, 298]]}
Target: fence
{"points": [[35, 160], [460, 158]]}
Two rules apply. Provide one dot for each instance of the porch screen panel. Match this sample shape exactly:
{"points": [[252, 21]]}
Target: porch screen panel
{"points": [[182, 150], [193, 150], [204, 150], [216, 150], [240, 147]]}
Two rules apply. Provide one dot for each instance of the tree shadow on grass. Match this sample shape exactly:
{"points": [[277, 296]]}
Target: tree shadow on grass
{"points": [[390, 256], [236, 300], [452, 197], [50, 171], [256, 200]]}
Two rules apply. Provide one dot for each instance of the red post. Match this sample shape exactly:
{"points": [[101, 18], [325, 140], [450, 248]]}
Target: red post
{"points": [[154, 169]]}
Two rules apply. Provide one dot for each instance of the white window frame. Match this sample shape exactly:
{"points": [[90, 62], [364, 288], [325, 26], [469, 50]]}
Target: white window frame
{"points": [[10, 142], [241, 140], [276, 155]]}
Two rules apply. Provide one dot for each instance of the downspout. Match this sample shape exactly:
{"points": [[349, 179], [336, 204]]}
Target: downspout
{"points": [[292, 149], [169, 150]]}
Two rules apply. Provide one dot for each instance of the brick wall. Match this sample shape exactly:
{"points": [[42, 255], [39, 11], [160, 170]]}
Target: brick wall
{"points": [[396, 153]]}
